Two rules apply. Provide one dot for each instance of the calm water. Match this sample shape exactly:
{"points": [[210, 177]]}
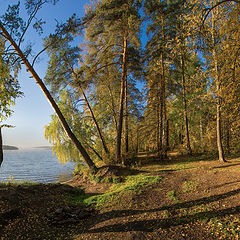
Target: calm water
{"points": [[34, 165]]}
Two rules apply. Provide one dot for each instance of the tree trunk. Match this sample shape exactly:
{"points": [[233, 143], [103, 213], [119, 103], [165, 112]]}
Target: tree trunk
{"points": [[189, 149], [91, 111], [228, 136], [167, 136], [201, 131], [96, 153], [162, 98], [112, 101], [63, 121], [219, 132], [180, 136], [96, 123], [218, 94], [1, 147], [158, 138], [122, 97], [126, 121], [137, 141], [161, 108]]}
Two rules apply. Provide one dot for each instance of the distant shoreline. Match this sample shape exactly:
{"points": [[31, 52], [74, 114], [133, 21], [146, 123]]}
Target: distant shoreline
{"points": [[44, 147], [7, 147]]}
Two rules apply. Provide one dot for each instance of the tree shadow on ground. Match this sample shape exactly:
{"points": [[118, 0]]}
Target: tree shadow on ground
{"points": [[153, 224], [178, 159], [223, 185], [226, 166]]}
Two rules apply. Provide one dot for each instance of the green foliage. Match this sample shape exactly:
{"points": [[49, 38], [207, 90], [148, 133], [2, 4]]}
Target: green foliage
{"points": [[9, 87], [132, 184]]}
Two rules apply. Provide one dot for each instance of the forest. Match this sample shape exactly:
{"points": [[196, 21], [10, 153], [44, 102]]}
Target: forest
{"points": [[149, 76], [145, 96], [124, 93]]}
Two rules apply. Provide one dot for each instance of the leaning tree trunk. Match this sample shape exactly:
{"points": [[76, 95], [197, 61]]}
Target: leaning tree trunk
{"points": [[38, 80], [122, 97], [96, 123], [91, 111], [1, 147]]}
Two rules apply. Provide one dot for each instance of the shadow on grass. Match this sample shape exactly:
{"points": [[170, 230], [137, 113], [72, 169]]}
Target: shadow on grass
{"points": [[153, 224]]}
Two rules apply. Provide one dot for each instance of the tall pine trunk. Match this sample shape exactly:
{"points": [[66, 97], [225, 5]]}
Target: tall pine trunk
{"points": [[159, 129], [161, 113], [126, 120], [228, 136], [122, 97], [185, 115], [218, 93], [1, 147], [38, 80], [161, 97]]}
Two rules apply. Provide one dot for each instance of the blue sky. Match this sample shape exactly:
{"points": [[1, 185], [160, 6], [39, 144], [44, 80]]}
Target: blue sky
{"points": [[33, 111]]}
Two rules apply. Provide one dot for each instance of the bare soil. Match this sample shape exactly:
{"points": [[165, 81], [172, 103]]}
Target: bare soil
{"points": [[194, 200]]}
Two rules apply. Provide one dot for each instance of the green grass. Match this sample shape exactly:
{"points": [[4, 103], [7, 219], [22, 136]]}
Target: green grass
{"points": [[16, 183], [189, 186], [172, 195], [132, 184]]}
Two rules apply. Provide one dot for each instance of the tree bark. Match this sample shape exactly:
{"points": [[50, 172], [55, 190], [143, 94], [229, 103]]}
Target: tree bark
{"points": [[167, 136], [161, 107], [228, 136], [1, 147], [185, 115], [218, 94], [163, 115], [137, 141], [122, 97], [38, 80], [158, 138], [96, 123], [126, 120]]}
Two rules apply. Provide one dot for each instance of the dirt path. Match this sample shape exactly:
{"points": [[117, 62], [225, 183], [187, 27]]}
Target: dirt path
{"points": [[180, 207]]}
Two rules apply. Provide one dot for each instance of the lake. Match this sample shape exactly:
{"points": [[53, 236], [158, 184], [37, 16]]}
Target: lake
{"points": [[38, 165]]}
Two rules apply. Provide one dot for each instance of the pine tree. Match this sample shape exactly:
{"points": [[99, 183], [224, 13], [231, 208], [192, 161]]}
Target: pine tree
{"points": [[114, 26]]}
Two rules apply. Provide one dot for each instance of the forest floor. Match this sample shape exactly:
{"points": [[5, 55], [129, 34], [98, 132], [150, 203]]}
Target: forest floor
{"points": [[183, 198]]}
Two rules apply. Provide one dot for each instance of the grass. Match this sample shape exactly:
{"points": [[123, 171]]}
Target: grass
{"points": [[189, 186], [132, 184], [17, 182], [172, 195]]}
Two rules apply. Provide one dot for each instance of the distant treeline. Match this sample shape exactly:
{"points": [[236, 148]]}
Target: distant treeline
{"points": [[6, 147]]}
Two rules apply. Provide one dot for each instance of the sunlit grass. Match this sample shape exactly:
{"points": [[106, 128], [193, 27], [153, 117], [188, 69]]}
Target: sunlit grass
{"points": [[17, 183], [130, 185]]}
